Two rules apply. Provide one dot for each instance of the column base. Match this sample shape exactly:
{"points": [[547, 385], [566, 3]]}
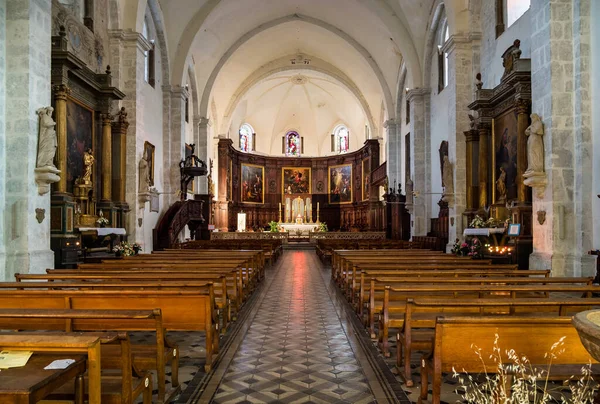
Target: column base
{"points": [[564, 264], [28, 262]]}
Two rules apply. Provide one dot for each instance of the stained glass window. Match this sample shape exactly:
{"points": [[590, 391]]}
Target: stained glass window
{"points": [[246, 138], [292, 144], [342, 139]]}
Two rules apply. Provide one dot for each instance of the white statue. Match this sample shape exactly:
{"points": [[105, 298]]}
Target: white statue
{"points": [[144, 168], [409, 192], [47, 142], [535, 146], [447, 177]]}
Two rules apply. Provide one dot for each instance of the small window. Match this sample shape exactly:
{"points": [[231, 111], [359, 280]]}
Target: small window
{"points": [[149, 58], [515, 9], [247, 138], [292, 144], [443, 58], [340, 139]]}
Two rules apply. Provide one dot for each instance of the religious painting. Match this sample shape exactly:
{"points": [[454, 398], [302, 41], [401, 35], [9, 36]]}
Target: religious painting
{"points": [[366, 178], [295, 180], [188, 152], [253, 178], [340, 184], [292, 144], [504, 157], [80, 137], [149, 156]]}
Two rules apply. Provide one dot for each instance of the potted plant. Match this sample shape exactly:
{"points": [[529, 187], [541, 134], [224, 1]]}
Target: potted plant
{"points": [[274, 226]]}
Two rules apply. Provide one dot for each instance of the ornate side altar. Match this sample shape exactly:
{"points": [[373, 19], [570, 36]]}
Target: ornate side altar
{"points": [[497, 151], [301, 231]]}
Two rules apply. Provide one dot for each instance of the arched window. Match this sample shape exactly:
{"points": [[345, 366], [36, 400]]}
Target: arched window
{"points": [[515, 9], [292, 144], [149, 68], [443, 57], [247, 138], [340, 139]]}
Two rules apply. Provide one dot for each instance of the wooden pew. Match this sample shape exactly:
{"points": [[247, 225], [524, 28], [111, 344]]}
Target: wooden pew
{"points": [[152, 357], [529, 336], [181, 310], [86, 344], [417, 331]]}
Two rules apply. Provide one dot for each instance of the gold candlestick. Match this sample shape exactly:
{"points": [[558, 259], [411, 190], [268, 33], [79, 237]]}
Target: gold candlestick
{"points": [[317, 213]]}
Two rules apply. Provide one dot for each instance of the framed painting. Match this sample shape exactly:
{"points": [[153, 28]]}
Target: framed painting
{"points": [[188, 152], [504, 157], [80, 137], [340, 184], [366, 178], [253, 178], [149, 156], [295, 180]]}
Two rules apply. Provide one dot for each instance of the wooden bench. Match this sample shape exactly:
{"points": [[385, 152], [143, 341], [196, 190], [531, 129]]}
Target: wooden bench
{"points": [[145, 357], [420, 318], [181, 310], [528, 336]]}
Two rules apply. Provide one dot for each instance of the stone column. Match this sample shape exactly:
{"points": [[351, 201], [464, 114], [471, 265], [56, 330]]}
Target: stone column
{"points": [[202, 150], [393, 157], [106, 158], [421, 159], [460, 89], [27, 89], [60, 112], [2, 131], [484, 164], [173, 140], [560, 60]]}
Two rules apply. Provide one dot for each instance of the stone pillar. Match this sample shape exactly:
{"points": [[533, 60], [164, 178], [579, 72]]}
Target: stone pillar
{"points": [[421, 146], [202, 150], [173, 140], [472, 140], [560, 60], [27, 89], [60, 112], [393, 157], [2, 131], [460, 73], [106, 157], [484, 164]]}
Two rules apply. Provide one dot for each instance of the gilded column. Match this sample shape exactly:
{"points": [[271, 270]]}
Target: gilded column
{"points": [[472, 138], [484, 165], [522, 124], [106, 157], [121, 126], [61, 93]]}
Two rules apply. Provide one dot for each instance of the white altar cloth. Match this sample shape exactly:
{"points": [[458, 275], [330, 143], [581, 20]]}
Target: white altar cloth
{"points": [[293, 228], [484, 231], [105, 231]]}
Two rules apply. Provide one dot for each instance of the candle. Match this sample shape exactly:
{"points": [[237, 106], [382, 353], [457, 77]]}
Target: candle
{"points": [[279, 205], [317, 205]]}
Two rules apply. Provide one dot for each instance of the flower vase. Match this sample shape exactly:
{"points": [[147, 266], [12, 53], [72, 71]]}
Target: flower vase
{"points": [[118, 254], [102, 225]]}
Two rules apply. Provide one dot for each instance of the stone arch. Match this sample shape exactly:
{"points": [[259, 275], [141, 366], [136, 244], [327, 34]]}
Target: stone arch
{"points": [[437, 17], [281, 65], [204, 103], [193, 89]]}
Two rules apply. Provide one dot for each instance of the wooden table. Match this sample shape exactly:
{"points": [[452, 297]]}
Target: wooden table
{"points": [[30, 383], [65, 345]]}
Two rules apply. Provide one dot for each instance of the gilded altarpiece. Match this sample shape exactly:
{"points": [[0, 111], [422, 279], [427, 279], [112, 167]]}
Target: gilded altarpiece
{"points": [[497, 151]]}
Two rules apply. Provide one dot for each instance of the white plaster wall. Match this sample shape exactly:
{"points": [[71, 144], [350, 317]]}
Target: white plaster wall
{"points": [[152, 131], [492, 48], [2, 129], [439, 132]]}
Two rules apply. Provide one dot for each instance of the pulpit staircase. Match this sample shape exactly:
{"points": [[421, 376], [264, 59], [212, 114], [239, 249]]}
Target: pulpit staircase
{"points": [[180, 214]]}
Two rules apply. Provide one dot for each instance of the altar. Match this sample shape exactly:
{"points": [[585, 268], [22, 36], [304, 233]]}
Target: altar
{"points": [[299, 230]]}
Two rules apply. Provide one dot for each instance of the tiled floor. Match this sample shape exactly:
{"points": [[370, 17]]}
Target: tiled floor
{"points": [[299, 346]]}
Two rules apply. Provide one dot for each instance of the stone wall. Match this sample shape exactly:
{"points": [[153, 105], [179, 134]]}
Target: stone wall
{"points": [[2, 132], [28, 89], [492, 48], [595, 112]]}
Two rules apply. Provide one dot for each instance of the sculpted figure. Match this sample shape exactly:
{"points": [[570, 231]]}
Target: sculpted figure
{"points": [[447, 178], [88, 162], [47, 142], [144, 167], [501, 185], [535, 146], [409, 191]]}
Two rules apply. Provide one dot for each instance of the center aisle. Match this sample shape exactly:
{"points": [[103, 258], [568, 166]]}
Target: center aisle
{"points": [[297, 349]]}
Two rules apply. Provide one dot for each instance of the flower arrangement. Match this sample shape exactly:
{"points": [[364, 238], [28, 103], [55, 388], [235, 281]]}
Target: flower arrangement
{"points": [[274, 226], [469, 248], [102, 221], [323, 227], [125, 249], [529, 384]]}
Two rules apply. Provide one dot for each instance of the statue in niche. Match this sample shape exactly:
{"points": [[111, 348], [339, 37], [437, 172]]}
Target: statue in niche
{"points": [[447, 178], [535, 147], [144, 172], [501, 185], [88, 162], [47, 142]]}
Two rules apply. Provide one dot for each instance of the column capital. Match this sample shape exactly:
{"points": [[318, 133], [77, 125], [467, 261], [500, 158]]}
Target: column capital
{"points": [[202, 122], [177, 91], [471, 135], [390, 124], [61, 91], [419, 92], [458, 41], [131, 38]]}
